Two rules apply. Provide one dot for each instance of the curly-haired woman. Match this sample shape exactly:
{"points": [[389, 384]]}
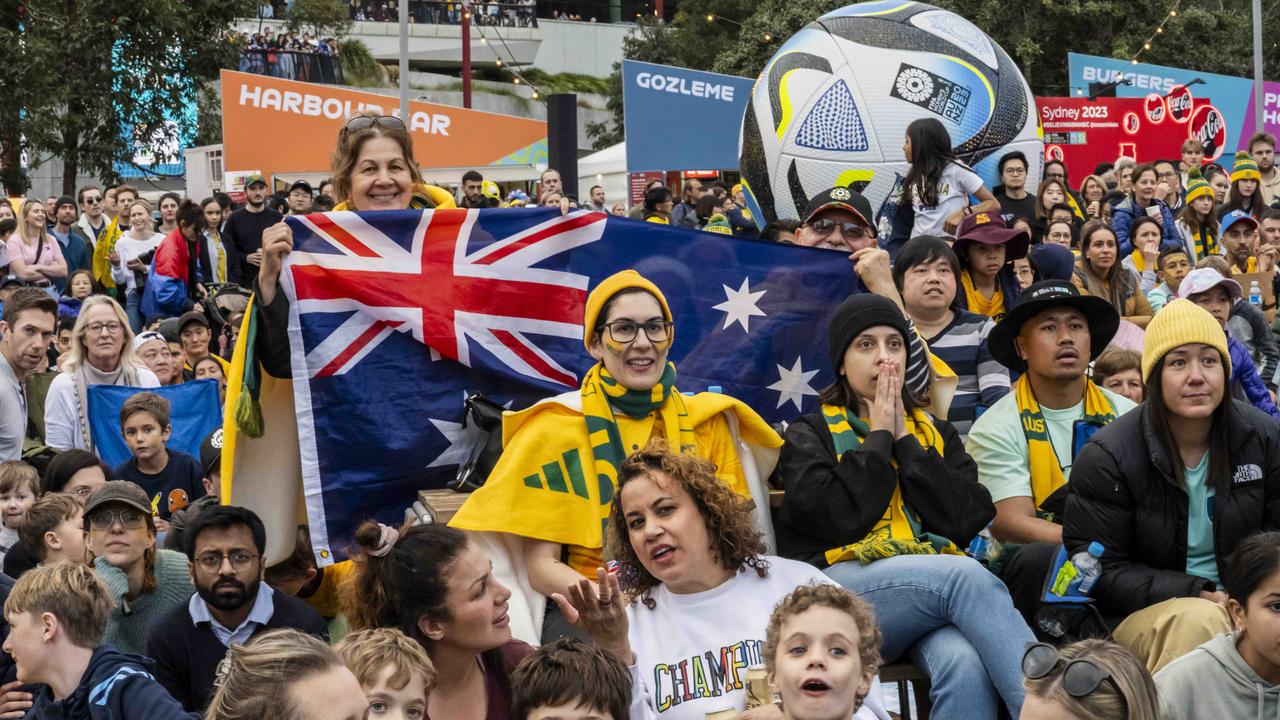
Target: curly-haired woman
{"points": [[701, 589]]}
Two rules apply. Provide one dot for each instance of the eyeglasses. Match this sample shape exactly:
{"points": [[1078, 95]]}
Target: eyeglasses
{"points": [[389, 122], [213, 560], [624, 331], [130, 519], [111, 328], [850, 229], [92, 200], [1015, 171], [1080, 678], [1055, 175]]}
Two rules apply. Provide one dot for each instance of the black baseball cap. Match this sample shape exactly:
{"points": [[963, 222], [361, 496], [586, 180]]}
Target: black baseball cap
{"points": [[1103, 320], [211, 451], [842, 198], [11, 279], [302, 185], [192, 317]]}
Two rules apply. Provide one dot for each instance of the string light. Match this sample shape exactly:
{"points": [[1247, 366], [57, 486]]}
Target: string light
{"points": [[509, 66], [1173, 12], [768, 36]]}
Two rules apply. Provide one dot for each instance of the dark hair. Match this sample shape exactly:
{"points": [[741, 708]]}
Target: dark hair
{"points": [[1004, 159], [707, 205], [211, 199], [67, 322], [1256, 558], [28, 298], [65, 465], [1169, 252], [570, 671], [774, 228], [930, 154], [8, 225], [1219, 433], [93, 285], [1103, 167], [322, 203], [1138, 172], [1209, 224], [1261, 137], [1271, 214], [223, 199], [926, 249], [655, 196], [1040, 191], [1138, 222], [192, 215], [175, 197], [1066, 177], [1115, 286], [224, 517], [472, 176], [83, 189], [1061, 207]]}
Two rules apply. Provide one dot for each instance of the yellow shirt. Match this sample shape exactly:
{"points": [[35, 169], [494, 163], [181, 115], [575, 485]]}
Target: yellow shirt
{"points": [[1251, 266], [992, 307]]}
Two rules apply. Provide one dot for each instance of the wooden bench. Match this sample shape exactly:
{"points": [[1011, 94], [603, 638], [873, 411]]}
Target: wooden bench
{"points": [[442, 504], [902, 673]]}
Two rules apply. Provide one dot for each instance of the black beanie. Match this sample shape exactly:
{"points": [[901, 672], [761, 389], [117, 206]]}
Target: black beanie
{"points": [[856, 314]]}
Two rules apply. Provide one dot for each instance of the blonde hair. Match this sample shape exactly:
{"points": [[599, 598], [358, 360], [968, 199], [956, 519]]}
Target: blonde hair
{"points": [[1217, 262], [22, 223], [254, 680], [79, 351], [348, 151], [44, 516], [1130, 685], [368, 652], [15, 474], [70, 592]]}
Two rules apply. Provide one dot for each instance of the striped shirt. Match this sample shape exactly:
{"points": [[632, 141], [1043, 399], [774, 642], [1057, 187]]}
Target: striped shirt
{"points": [[962, 345]]}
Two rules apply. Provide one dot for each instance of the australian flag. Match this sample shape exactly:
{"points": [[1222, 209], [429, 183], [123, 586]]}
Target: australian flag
{"points": [[396, 317]]}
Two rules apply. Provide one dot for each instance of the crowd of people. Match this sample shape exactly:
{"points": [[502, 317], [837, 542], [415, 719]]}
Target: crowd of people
{"points": [[289, 56], [1034, 375]]}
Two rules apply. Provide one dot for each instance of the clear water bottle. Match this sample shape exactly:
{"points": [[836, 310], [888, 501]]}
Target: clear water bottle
{"points": [[1088, 569], [1255, 294]]}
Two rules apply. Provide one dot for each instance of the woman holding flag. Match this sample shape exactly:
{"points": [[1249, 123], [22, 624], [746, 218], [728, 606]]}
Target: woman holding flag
{"points": [[550, 493], [879, 494]]}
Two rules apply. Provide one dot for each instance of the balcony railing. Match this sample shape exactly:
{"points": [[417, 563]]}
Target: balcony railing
{"points": [[307, 66]]}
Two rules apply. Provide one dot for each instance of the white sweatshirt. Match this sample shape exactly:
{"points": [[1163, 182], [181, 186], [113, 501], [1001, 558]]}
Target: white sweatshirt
{"points": [[693, 651]]}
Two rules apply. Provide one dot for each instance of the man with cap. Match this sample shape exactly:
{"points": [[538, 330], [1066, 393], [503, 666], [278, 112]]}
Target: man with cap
{"points": [[77, 248], [840, 219], [744, 224], [9, 284], [193, 331], [1240, 240], [153, 349], [243, 233], [300, 198], [1207, 288], [986, 248], [1026, 443]]}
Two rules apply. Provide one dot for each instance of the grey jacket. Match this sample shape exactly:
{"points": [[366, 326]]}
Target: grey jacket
{"points": [[1213, 681]]}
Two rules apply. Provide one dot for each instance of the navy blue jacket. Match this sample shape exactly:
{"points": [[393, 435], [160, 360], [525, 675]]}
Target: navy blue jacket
{"points": [[115, 686], [1126, 211]]}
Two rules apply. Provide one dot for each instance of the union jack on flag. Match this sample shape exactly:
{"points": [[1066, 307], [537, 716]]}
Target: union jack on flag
{"points": [[395, 317]]}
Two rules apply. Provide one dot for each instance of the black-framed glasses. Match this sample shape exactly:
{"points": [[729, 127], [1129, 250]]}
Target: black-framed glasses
{"points": [[1080, 677], [92, 200], [1016, 170], [130, 519], [624, 331], [850, 228], [388, 122], [240, 560]]}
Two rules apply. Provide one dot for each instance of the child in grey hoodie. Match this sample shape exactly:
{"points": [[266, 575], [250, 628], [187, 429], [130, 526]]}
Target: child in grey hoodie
{"points": [[1235, 675]]}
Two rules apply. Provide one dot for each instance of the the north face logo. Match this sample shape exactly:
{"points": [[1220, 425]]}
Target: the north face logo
{"points": [[1246, 473]]}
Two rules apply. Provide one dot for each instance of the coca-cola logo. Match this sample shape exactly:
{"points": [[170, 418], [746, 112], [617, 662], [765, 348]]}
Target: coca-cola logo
{"points": [[1210, 128], [1131, 123], [1155, 109], [1180, 103]]}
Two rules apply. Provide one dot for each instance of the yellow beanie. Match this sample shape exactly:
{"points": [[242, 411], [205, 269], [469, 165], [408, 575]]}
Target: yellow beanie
{"points": [[611, 286], [1179, 323]]}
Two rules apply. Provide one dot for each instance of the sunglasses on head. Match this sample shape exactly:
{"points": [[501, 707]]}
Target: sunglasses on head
{"points": [[850, 228], [1080, 677], [388, 122]]}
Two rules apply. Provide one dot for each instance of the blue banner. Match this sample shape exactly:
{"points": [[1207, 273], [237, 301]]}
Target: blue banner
{"points": [[1230, 95], [680, 119], [194, 412]]}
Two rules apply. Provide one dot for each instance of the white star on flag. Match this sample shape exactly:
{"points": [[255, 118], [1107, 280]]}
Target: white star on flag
{"points": [[793, 384], [740, 305]]}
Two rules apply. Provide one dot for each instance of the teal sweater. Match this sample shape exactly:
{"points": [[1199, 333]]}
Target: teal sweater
{"points": [[128, 632]]}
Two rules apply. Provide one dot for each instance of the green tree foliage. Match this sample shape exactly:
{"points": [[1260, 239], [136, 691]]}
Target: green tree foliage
{"points": [[1207, 35], [83, 70], [321, 18]]}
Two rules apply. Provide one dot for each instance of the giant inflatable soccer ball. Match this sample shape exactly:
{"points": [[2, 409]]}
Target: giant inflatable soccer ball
{"points": [[832, 106]]}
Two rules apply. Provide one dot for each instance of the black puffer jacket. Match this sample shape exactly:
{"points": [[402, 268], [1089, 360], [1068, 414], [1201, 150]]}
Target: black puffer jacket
{"points": [[829, 504], [1123, 494]]}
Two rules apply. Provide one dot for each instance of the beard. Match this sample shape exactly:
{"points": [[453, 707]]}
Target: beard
{"points": [[218, 598]]}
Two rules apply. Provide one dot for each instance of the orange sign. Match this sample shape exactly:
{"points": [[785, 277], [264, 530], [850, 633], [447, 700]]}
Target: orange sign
{"points": [[288, 126]]}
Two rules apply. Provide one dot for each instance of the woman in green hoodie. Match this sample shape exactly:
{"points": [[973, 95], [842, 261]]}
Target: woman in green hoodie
{"points": [[1237, 674]]}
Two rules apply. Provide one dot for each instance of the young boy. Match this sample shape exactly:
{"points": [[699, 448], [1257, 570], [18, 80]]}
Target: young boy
{"points": [[1172, 265], [1208, 289], [57, 615], [821, 651], [19, 487], [53, 531], [171, 479], [570, 680], [394, 672]]}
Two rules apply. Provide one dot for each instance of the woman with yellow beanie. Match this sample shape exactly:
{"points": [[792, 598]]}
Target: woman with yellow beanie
{"points": [[547, 500], [1170, 489], [1244, 195]]}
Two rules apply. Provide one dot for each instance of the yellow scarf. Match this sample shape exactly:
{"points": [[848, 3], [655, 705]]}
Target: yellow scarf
{"points": [[993, 308], [550, 484], [1251, 266], [898, 532], [1139, 261], [101, 252], [1046, 470], [1206, 245]]}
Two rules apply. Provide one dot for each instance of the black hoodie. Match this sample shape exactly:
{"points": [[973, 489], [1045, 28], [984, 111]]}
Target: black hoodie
{"points": [[115, 686]]}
